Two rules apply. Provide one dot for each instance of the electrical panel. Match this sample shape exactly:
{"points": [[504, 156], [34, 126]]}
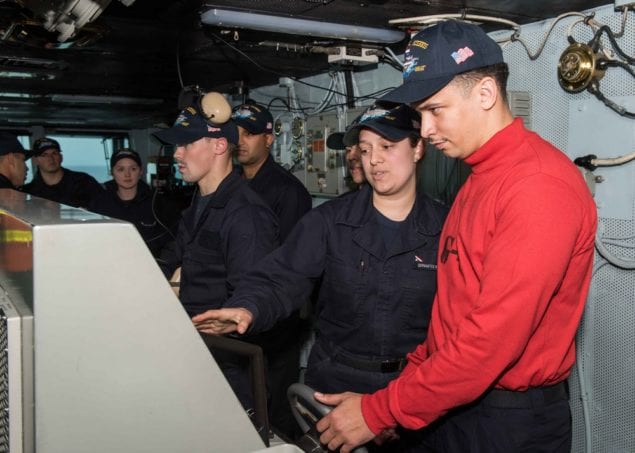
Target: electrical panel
{"points": [[288, 146], [324, 173]]}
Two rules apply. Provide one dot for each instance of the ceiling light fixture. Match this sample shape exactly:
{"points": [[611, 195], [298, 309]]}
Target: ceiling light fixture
{"points": [[7, 72], [9, 94], [295, 26], [17, 75]]}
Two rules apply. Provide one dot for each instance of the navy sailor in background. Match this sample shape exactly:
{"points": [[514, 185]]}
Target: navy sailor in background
{"points": [[128, 197], [223, 234], [282, 191], [375, 253], [356, 177], [56, 183], [289, 200]]}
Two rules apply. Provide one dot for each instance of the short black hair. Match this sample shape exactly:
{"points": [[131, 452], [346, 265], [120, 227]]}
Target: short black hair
{"points": [[499, 72]]}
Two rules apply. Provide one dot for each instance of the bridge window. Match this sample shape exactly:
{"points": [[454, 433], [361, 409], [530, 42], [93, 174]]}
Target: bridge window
{"points": [[86, 153]]}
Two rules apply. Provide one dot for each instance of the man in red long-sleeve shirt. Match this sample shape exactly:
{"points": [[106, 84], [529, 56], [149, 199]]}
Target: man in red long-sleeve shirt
{"points": [[514, 268]]}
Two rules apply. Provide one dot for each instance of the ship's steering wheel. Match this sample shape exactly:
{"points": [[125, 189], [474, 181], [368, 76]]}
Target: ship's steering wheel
{"points": [[307, 411]]}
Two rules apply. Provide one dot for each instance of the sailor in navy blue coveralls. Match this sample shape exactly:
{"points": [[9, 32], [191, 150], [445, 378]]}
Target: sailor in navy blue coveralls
{"points": [[219, 238], [73, 188], [373, 251], [374, 301], [289, 200], [283, 192], [223, 234], [378, 276]]}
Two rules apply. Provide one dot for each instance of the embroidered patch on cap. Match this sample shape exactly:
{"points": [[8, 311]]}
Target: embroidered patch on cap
{"points": [[409, 64], [242, 114], [462, 55], [375, 113]]}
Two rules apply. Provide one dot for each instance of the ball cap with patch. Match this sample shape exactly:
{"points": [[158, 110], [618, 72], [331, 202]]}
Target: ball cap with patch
{"points": [[254, 118], [191, 126], [44, 144], [394, 124], [125, 153], [438, 53]]}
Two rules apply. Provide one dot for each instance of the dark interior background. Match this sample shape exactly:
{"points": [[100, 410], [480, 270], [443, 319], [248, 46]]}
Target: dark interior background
{"points": [[132, 61]]}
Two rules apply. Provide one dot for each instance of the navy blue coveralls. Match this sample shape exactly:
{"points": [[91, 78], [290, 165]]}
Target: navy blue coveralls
{"points": [[374, 301], [145, 211], [283, 192], [235, 229], [289, 200], [74, 189]]}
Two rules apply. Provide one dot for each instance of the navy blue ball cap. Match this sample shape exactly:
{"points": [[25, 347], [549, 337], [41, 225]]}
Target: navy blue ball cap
{"points": [[438, 53], [9, 144], [394, 124], [254, 118], [335, 141], [125, 153], [44, 144], [191, 126]]}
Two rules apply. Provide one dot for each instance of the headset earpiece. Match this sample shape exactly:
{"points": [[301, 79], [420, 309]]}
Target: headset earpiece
{"points": [[215, 108]]}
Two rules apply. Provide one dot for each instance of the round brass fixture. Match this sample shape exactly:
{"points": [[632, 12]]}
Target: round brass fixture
{"points": [[578, 67], [297, 127]]}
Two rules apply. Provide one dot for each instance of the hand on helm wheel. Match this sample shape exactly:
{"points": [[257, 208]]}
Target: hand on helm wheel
{"points": [[308, 411]]}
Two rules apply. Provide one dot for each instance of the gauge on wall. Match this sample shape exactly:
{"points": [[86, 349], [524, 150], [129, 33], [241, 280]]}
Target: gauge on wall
{"points": [[277, 126], [297, 127]]}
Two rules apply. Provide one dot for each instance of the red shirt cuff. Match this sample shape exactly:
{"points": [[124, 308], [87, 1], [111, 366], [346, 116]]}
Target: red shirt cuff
{"points": [[376, 411]]}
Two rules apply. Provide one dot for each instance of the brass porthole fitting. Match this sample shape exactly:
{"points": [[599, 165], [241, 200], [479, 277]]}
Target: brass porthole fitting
{"points": [[578, 67]]}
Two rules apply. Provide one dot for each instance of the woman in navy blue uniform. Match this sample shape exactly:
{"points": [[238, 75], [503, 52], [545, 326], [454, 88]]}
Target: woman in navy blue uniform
{"points": [[375, 253], [129, 198]]}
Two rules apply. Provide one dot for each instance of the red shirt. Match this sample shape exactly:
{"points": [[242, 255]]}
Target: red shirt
{"points": [[515, 263]]}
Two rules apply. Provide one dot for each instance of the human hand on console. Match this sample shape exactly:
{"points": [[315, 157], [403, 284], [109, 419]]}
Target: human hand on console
{"points": [[222, 321]]}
